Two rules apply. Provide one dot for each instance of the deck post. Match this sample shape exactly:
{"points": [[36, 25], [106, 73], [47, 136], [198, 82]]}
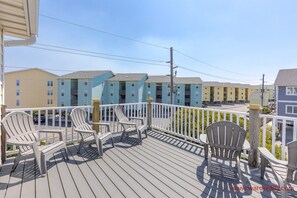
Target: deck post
{"points": [[3, 135], [254, 130], [149, 113], [96, 114]]}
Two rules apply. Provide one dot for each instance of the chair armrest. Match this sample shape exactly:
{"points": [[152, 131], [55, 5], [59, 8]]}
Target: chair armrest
{"points": [[58, 131], [127, 123], [84, 131], [137, 118], [20, 143], [271, 158], [203, 138]]}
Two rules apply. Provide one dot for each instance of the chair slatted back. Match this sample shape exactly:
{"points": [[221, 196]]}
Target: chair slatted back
{"points": [[19, 126], [225, 139], [78, 116], [121, 116]]}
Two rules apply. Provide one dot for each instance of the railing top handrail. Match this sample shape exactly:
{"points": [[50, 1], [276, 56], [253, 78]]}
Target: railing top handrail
{"points": [[278, 117], [205, 109], [46, 108], [124, 104]]}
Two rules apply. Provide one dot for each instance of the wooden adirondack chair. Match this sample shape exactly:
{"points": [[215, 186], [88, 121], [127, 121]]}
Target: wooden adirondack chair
{"points": [[21, 132], [129, 124], [88, 135], [225, 140], [284, 171]]}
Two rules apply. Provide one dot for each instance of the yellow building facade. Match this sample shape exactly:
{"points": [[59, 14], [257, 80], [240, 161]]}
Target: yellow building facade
{"points": [[30, 88]]}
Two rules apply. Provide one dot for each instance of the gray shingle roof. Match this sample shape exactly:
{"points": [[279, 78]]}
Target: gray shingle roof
{"points": [[84, 74], [286, 77], [128, 77], [176, 80], [187, 80], [158, 79]]}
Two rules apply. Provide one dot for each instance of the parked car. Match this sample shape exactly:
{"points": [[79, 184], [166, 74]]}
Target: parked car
{"points": [[42, 118]]}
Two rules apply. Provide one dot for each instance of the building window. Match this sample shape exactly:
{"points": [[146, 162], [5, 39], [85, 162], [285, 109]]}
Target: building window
{"points": [[178, 87], [132, 84], [62, 82], [111, 94], [17, 102], [17, 82], [111, 84], [132, 94], [62, 104], [197, 87], [86, 94], [178, 101], [291, 109], [18, 92], [86, 82], [149, 85], [62, 93], [50, 83], [49, 92], [49, 101], [291, 91]]}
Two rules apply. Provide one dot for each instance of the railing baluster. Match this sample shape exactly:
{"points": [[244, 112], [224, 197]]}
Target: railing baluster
{"points": [[273, 136], [284, 124], [264, 132]]}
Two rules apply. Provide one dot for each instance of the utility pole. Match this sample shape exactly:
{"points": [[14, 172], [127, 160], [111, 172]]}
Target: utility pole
{"points": [[262, 91], [171, 75]]}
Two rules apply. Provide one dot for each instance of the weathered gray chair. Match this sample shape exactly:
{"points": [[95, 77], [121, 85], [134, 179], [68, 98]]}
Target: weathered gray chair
{"points": [[87, 134], [21, 132], [129, 124], [225, 142], [284, 171]]}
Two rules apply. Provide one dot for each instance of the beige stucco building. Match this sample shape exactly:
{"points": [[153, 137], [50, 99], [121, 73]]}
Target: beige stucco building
{"points": [[30, 88], [225, 92]]}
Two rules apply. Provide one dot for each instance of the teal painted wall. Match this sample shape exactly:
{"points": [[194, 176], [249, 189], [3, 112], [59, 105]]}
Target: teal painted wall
{"points": [[66, 88], [196, 95]]}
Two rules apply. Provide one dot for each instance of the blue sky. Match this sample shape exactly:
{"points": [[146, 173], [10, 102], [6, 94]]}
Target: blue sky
{"points": [[239, 40]]}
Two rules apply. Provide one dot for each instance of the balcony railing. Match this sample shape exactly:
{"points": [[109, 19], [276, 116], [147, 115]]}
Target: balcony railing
{"points": [[181, 121]]}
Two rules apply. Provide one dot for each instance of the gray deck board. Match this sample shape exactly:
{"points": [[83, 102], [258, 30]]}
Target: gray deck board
{"points": [[54, 180], [89, 176], [162, 166], [28, 185]]}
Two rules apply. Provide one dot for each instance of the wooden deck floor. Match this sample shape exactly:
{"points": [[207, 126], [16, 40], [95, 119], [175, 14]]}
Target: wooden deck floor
{"points": [[161, 167]]}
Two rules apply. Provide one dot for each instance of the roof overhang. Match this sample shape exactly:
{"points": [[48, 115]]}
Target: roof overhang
{"points": [[19, 19]]}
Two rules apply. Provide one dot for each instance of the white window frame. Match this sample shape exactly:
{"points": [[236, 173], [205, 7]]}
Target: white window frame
{"points": [[293, 91], [293, 106]]}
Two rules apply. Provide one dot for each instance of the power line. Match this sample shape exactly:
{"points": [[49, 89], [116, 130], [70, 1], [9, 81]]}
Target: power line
{"points": [[105, 32], [199, 72], [211, 65], [19, 67], [96, 56], [100, 53]]}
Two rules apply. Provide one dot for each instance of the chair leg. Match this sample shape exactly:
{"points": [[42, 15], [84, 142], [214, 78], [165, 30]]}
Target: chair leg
{"points": [[98, 146], [66, 154], [101, 147], [122, 136], [238, 168], [112, 141], [43, 169], [264, 163], [16, 162], [80, 146], [139, 136], [205, 151], [145, 132], [209, 164]]}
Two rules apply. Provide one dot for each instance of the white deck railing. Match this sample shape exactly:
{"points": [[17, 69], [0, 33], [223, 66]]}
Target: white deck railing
{"points": [[181, 121]]}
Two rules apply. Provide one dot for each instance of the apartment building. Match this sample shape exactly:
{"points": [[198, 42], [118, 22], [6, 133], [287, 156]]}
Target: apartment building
{"points": [[124, 88], [217, 93], [81, 87], [187, 90], [30, 88]]}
